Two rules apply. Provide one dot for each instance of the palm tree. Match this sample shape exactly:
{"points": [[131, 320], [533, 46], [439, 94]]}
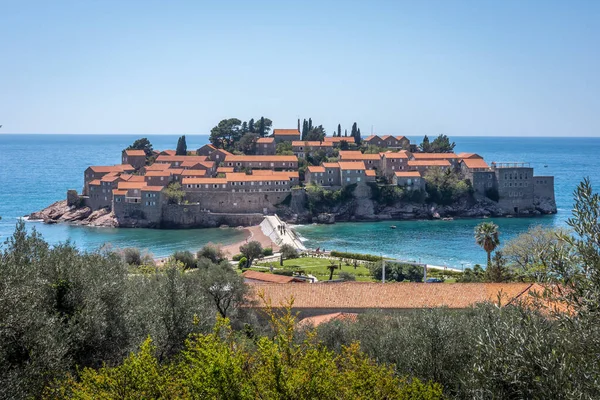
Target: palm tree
{"points": [[486, 236]]}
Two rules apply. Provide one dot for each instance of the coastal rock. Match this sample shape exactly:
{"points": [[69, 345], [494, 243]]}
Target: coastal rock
{"points": [[545, 205], [325, 218], [53, 212]]}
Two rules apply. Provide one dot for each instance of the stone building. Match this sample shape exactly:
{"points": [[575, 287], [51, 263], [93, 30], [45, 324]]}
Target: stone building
{"points": [[286, 135], [411, 180], [277, 163], [97, 172], [423, 165], [452, 158], [515, 185], [337, 141], [392, 162], [135, 158], [372, 161], [373, 140], [212, 153], [266, 146], [302, 148]]}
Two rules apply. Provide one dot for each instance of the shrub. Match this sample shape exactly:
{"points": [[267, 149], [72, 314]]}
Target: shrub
{"points": [[242, 262], [186, 258], [132, 256], [288, 251], [355, 256], [286, 272], [212, 252], [267, 251], [346, 276], [237, 257]]}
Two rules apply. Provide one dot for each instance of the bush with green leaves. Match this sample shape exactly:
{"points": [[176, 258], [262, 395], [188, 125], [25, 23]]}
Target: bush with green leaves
{"points": [[354, 256], [186, 258], [346, 276], [398, 272], [211, 252], [242, 263], [288, 251], [267, 251]]}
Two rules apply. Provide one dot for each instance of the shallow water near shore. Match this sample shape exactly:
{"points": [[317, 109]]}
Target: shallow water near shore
{"points": [[37, 170]]}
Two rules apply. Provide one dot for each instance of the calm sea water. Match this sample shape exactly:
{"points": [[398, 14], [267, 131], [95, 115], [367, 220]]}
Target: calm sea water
{"points": [[36, 170]]}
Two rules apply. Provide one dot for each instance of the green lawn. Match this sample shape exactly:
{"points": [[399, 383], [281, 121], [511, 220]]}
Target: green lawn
{"points": [[318, 268]]}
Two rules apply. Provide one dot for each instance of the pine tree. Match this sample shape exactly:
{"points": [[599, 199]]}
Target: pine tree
{"points": [[251, 125], [181, 147], [354, 130], [261, 127], [339, 132]]}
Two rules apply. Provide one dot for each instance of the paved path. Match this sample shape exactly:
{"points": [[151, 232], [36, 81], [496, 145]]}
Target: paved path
{"points": [[270, 227]]}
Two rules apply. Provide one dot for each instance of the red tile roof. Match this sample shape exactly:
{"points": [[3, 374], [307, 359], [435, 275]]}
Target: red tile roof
{"points": [[336, 139], [266, 140], [331, 165], [372, 295], [233, 158], [158, 173], [201, 181], [314, 143], [170, 159], [473, 163], [157, 167], [371, 137], [428, 163], [168, 152], [399, 154], [357, 155], [225, 169], [434, 156], [400, 138], [370, 172], [131, 185], [243, 177], [386, 137], [407, 174], [286, 132], [135, 153], [194, 172], [152, 188], [111, 168], [321, 319], [314, 168], [117, 192], [358, 165], [268, 278]]}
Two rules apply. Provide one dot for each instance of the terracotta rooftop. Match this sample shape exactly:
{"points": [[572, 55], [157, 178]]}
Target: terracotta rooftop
{"points": [[372, 295], [371, 137], [158, 173], [136, 153], [95, 182], [233, 158], [152, 188], [331, 165], [407, 174], [133, 178], [472, 163], [434, 156], [313, 143], [268, 278], [314, 168], [399, 138], [321, 319], [170, 159], [131, 185], [286, 132], [117, 192], [370, 172], [111, 168], [156, 167], [243, 177], [110, 177], [357, 155], [266, 140], [194, 172], [168, 152], [336, 139], [202, 181], [468, 155], [399, 154], [225, 169], [429, 163], [386, 137], [358, 165]]}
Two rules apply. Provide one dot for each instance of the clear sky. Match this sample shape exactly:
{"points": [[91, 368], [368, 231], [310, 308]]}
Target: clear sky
{"points": [[478, 67]]}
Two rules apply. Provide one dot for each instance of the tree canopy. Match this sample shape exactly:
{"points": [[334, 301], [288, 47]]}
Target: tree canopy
{"points": [[181, 149], [142, 144]]}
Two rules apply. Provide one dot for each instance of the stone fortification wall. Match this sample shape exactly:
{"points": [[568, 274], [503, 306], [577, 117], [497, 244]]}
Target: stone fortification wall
{"points": [[194, 216], [229, 202], [543, 186]]}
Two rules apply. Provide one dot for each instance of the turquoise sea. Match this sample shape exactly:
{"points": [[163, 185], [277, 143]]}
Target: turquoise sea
{"points": [[36, 170]]}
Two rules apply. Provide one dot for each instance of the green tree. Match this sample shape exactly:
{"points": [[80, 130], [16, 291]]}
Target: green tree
{"points": [[284, 149], [212, 252], [288, 251], [332, 267], [304, 129], [442, 144], [487, 237], [354, 130], [358, 137], [142, 144], [251, 127], [186, 258], [181, 147], [316, 134], [223, 288], [497, 271], [425, 146], [339, 130], [226, 133], [251, 251], [247, 144], [261, 127], [174, 193]]}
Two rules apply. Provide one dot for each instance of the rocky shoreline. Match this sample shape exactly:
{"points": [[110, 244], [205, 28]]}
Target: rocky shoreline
{"points": [[357, 209]]}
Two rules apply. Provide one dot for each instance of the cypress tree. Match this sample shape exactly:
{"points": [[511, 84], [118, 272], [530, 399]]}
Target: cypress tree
{"points": [[304, 129], [357, 138], [298, 124], [354, 130], [251, 125], [345, 132], [181, 147], [261, 127], [310, 124], [339, 133]]}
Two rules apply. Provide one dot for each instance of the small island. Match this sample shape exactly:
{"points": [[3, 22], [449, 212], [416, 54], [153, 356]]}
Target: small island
{"points": [[300, 175]]}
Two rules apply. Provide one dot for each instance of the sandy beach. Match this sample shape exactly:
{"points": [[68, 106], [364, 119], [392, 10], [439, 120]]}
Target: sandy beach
{"points": [[252, 233]]}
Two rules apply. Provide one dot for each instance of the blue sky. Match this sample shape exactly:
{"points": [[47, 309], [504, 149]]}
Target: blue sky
{"points": [[422, 67]]}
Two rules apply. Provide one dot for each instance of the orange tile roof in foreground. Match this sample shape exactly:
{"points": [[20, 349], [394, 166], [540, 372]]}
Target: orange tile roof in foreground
{"points": [[359, 165], [321, 319], [268, 278], [286, 132], [233, 158], [372, 295], [429, 163], [473, 163]]}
